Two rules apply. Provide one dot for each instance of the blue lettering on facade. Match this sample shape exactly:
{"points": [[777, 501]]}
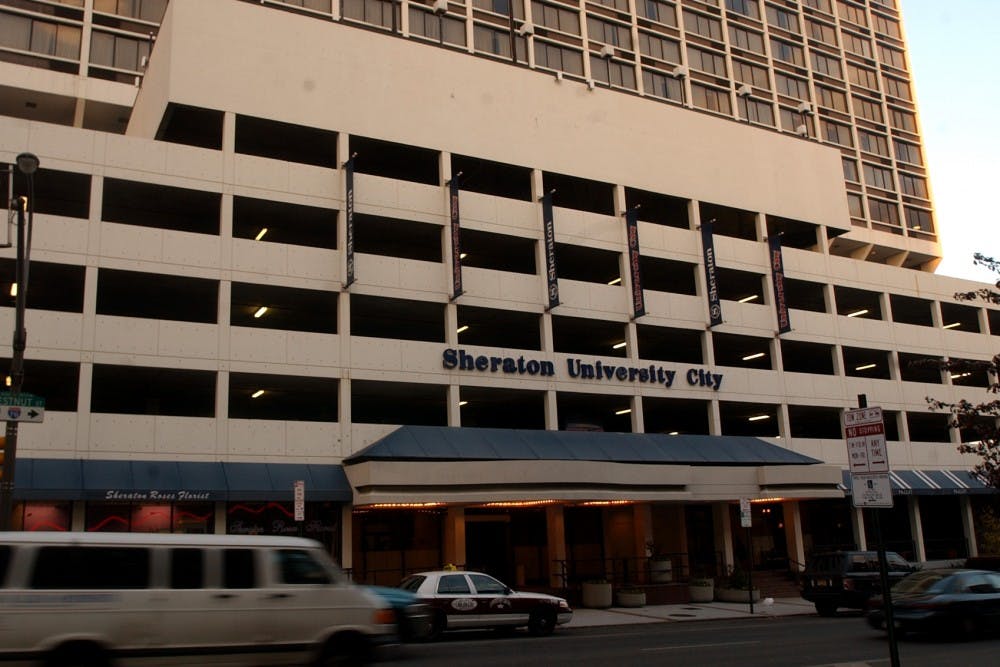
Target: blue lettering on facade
{"points": [[598, 371]]}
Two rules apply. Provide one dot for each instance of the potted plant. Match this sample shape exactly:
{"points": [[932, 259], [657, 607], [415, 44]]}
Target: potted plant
{"points": [[736, 587], [660, 567], [701, 589], [596, 594], [630, 596]]}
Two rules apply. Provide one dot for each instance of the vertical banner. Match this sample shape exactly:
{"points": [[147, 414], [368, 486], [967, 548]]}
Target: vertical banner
{"points": [[456, 238], [349, 222], [299, 496], [778, 278], [551, 274], [632, 228], [711, 277]]}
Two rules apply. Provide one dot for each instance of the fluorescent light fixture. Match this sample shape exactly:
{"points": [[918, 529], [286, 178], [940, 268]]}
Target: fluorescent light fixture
{"points": [[752, 297], [624, 412], [13, 289], [864, 367], [615, 281], [464, 327], [751, 357], [957, 376], [618, 346], [857, 313], [461, 403], [757, 418], [260, 234], [257, 394], [953, 325], [260, 311], [674, 433]]}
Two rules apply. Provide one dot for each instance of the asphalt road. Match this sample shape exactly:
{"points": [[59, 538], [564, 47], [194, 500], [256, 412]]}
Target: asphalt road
{"points": [[801, 641]]}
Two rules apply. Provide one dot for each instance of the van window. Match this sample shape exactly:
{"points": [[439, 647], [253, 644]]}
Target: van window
{"points": [[77, 568], [237, 568], [299, 567], [4, 560], [187, 568]]}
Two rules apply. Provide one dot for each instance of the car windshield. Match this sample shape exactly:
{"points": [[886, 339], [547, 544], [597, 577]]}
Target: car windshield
{"points": [[412, 583], [922, 582]]}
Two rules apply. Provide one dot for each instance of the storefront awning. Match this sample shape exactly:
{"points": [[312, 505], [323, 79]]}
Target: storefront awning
{"points": [[175, 481], [931, 483], [428, 464]]}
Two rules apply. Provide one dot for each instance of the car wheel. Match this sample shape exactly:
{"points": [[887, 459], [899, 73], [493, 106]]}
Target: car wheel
{"points": [[344, 651], [969, 628], [439, 623], [542, 622], [78, 654], [826, 609]]}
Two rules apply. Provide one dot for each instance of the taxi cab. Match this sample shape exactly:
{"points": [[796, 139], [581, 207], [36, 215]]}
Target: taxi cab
{"points": [[461, 600]]}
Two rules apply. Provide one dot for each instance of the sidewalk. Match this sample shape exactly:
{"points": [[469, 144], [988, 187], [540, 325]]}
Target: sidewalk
{"points": [[766, 608]]}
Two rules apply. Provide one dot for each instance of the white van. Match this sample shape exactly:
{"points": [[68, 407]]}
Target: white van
{"points": [[101, 599]]}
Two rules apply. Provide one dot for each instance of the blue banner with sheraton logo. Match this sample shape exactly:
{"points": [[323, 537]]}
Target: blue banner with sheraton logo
{"points": [[551, 275], [711, 277]]}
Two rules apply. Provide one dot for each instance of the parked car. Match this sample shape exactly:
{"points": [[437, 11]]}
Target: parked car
{"points": [[849, 579], [476, 600], [413, 618], [953, 600]]}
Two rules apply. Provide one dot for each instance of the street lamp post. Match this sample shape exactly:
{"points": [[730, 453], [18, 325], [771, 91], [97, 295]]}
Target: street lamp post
{"points": [[27, 164]]}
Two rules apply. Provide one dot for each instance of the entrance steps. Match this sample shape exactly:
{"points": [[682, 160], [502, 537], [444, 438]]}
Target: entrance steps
{"points": [[776, 583]]}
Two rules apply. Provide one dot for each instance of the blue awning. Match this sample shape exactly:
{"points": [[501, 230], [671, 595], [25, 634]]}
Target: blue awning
{"points": [[931, 483], [449, 443], [172, 481]]}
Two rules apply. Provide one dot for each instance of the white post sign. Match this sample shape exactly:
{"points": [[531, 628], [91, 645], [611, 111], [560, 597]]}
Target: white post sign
{"points": [[300, 500], [867, 457], [745, 512]]}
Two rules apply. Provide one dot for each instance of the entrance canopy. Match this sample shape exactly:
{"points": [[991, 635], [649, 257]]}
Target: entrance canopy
{"points": [[441, 464]]}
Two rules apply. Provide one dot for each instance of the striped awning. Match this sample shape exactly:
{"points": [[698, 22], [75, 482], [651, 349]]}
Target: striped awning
{"points": [[931, 483]]}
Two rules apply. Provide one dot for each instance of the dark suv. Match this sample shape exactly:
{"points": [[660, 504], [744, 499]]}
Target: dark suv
{"points": [[848, 578]]}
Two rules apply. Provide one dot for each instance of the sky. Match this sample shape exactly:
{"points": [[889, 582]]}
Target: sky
{"points": [[954, 50]]}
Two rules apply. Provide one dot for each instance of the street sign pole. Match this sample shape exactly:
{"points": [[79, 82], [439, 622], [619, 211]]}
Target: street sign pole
{"points": [[883, 570], [746, 519]]}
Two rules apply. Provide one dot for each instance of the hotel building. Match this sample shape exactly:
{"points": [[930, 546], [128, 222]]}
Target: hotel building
{"points": [[531, 287]]}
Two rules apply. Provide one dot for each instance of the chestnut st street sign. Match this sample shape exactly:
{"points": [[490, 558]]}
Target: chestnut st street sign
{"points": [[21, 408]]}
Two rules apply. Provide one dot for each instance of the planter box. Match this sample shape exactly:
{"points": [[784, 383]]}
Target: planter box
{"points": [[596, 595], [736, 595], [630, 598], [702, 593], [660, 570]]}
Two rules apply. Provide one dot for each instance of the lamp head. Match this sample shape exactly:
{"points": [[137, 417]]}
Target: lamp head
{"points": [[27, 163]]}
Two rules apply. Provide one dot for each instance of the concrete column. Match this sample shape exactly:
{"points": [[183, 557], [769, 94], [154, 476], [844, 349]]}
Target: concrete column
{"points": [[454, 405], [551, 411], [555, 527], [347, 537], [78, 517], [858, 528], [968, 525], [793, 533], [760, 224], [724, 534], [454, 536], [916, 529], [220, 518]]}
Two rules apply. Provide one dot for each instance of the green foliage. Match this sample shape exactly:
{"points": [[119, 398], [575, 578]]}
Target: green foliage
{"points": [[987, 521]]}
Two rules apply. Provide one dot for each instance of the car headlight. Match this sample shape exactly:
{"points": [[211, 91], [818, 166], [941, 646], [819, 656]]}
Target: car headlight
{"points": [[563, 604]]}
